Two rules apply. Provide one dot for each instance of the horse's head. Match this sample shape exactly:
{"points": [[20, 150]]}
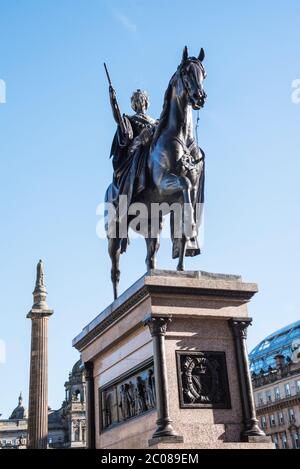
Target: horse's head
{"points": [[192, 74]]}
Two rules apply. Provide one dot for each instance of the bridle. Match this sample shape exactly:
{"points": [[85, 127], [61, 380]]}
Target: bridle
{"points": [[182, 73], [188, 161]]}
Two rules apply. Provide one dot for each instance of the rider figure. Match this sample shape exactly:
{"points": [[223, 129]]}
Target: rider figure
{"points": [[138, 125], [131, 143]]}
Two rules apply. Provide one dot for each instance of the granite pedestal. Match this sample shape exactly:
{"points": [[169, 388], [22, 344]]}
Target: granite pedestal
{"points": [[167, 367]]}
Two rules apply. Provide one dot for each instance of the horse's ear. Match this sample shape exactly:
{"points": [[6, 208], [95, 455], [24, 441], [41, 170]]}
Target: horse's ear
{"points": [[185, 54], [201, 55]]}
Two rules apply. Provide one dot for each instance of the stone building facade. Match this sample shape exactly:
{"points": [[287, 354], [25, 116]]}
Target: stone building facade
{"points": [[13, 431], [275, 366], [66, 426]]}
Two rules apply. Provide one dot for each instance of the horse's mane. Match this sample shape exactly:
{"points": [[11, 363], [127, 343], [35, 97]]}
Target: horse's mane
{"points": [[165, 111]]}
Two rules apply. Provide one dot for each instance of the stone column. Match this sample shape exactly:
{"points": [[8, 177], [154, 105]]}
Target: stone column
{"points": [[72, 431], [289, 436], [90, 405], [38, 386], [239, 328], [80, 430], [158, 328]]}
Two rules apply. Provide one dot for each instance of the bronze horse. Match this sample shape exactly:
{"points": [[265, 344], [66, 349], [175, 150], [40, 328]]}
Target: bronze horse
{"points": [[175, 171]]}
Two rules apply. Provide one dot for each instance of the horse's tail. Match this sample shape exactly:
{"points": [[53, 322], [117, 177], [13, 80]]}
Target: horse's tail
{"points": [[108, 199], [111, 217]]}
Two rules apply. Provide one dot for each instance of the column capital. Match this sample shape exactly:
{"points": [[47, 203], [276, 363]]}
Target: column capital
{"points": [[239, 326], [157, 325], [89, 369], [38, 314]]}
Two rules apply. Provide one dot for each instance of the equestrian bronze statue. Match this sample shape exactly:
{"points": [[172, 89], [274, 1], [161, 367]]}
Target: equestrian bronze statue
{"points": [[157, 166]]}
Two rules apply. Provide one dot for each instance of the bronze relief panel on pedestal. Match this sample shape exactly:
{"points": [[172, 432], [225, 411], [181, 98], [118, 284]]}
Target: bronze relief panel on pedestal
{"points": [[131, 395], [202, 379]]}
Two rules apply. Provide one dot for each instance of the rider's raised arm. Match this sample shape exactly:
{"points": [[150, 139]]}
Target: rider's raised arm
{"points": [[115, 110], [113, 103]]}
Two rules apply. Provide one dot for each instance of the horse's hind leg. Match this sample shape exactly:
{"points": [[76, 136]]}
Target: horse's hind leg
{"points": [[182, 251], [114, 249]]}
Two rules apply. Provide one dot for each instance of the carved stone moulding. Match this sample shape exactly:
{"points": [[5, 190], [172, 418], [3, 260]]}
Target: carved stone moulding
{"points": [[202, 379], [131, 395]]}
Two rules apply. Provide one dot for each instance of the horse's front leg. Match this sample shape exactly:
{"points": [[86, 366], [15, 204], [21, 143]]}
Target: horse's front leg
{"points": [[153, 242], [168, 184], [189, 224]]}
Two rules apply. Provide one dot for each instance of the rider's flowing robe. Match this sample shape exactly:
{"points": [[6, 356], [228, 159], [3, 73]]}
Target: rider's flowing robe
{"points": [[129, 155]]}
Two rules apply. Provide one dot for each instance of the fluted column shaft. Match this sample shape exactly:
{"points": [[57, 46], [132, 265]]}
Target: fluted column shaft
{"points": [[158, 328], [239, 329], [38, 386], [90, 405]]}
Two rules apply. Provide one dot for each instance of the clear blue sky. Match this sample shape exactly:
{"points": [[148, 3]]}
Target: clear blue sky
{"points": [[55, 133]]}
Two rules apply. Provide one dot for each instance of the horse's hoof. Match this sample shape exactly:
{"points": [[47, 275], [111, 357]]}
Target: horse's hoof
{"points": [[194, 231]]}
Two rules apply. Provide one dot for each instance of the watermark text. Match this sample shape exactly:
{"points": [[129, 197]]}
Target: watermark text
{"points": [[2, 352], [295, 96], [2, 91], [146, 220]]}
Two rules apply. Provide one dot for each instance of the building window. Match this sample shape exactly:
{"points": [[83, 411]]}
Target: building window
{"points": [[260, 399], [298, 386], [268, 396], [263, 422], [291, 415], [287, 389], [277, 393], [284, 440], [281, 418], [295, 440], [275, 440], [272, 421]]}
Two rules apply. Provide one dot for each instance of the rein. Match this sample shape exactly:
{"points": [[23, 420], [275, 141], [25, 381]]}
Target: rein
{"points": [[187, 149]]}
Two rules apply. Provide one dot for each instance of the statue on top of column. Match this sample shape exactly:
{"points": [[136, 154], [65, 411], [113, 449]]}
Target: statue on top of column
{"points": [[40, 274]]}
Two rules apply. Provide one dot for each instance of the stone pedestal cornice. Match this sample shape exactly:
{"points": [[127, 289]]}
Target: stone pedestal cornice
{"points": [[200, 285]]}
